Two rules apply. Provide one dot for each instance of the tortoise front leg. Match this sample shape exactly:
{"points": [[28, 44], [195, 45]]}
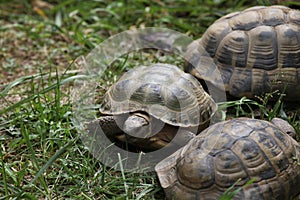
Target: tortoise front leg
{"points": [[106, 124], [171, 137]]}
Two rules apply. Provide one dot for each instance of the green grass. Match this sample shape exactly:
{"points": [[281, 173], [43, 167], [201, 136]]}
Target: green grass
{"points": [[42, 156]]}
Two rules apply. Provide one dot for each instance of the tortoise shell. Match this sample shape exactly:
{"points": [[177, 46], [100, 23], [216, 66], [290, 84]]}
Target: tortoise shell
{"points": [[234, 151], [256, 51], [164, 92]]}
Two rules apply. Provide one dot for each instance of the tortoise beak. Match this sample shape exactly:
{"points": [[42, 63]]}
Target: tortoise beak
{"points": [[137, 126]]}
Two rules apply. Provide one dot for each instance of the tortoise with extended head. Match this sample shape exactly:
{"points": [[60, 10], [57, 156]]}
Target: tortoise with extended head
{"points": [[256, 51], [148, 104], [235, 152]]}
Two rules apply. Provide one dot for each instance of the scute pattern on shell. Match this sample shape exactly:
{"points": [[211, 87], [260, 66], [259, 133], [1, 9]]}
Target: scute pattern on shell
{"points": [[239, 148], [256, 50], [162, 90]]}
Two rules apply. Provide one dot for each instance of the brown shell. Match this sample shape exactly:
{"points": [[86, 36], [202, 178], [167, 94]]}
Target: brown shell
{"points": [[256, 51], [222, 154], [162, 90]]}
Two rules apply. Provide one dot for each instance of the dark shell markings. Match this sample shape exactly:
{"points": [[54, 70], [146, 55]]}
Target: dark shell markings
{"points": [[241, 148], [256, 50], [150, 105]]}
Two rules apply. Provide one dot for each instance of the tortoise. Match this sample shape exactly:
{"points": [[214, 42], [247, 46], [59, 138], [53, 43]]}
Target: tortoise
{"points": [[148, 105], [256, 51], [232, 152]]}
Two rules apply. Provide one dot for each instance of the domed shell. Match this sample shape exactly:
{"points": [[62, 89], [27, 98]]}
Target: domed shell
{"points": [[234, 151], [162, 90], [256, 51]]}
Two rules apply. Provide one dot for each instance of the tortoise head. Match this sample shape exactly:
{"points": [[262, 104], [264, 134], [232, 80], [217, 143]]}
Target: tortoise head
{"points": [[136, 124], [142, 125], [284, 126]]}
